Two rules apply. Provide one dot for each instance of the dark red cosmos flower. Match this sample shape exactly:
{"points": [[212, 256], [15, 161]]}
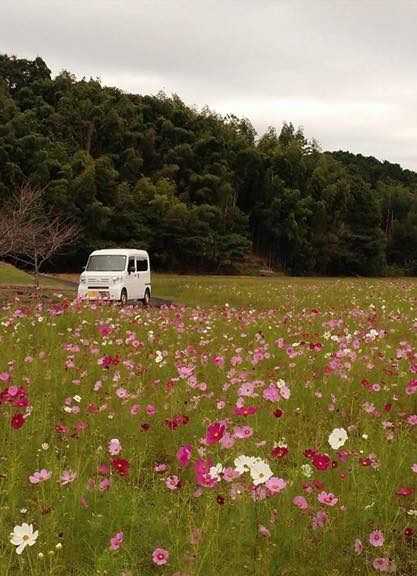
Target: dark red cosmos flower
{"points": [[365, 461], [61, 428], [387, 407], [220, 499], [279, 452], [309, 453], [404, 492], [320, 461], [109, 361], [145, 426], [409, 532], [171, 424], [278, 413], [122, 466], [17, 421]]}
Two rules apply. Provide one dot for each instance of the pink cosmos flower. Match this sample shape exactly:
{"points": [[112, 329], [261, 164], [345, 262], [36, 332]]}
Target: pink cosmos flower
{"points": [[376, 538], [160, 556], [172, 482], [227, 441], [135, 409], [275, 485], [105, 484], [160, 468], [243, 431], [319, 520], [67, 477], [358, 547], [300, 502], [263, 531], [116, 541], [414, 468], [271, 393], [215, 433], [114, 447], [412, 420], [40, 476], [327, 498], [184, 454], [246, 389], [230, 474], [382, 564]]}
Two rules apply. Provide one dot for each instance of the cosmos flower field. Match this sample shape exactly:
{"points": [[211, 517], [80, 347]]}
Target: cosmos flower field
{"points": [[272, 432]]}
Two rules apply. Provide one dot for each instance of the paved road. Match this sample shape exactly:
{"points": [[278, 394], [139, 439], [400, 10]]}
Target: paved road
{"points": [[155, 302]]}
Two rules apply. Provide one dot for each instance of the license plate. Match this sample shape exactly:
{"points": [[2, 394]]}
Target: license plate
{"points": [[92, 294]]}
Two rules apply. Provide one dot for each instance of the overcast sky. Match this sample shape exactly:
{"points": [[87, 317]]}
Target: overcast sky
{"points": [[344, 70]]}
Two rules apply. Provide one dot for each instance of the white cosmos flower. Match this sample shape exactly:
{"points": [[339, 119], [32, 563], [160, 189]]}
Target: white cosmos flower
{"points": [[23, 536], [216, 471], [244, 463], [260, 472], [338, 438]]}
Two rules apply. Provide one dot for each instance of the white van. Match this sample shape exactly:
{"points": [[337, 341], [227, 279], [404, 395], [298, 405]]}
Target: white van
{"points": [[117, 274]]}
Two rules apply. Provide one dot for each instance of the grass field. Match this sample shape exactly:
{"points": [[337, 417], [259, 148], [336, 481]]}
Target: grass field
{"points": [[12, 276], [266, 428]]}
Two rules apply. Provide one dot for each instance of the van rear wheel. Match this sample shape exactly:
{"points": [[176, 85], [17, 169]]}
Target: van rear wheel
{"points": [[146, 298], [123, 297]]}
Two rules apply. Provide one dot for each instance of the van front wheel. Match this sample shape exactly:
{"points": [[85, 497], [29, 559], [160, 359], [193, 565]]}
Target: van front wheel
{"points": [[123, 297], [146, 298]]}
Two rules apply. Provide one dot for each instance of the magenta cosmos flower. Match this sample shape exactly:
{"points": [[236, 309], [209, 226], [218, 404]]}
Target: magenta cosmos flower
{"points": [[184, 454], [160, 556], [215, 433]]}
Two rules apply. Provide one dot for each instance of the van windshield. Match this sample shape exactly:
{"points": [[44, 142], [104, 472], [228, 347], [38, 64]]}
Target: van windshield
{"points": [[106, 263]]}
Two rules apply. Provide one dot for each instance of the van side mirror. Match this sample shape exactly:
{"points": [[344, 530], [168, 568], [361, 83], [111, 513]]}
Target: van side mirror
{"points": [[130, 269]]}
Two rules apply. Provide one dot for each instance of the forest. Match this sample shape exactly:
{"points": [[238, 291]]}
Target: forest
{"points": [[198, 190]]}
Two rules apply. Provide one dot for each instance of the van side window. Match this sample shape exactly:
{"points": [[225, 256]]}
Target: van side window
{"points": [[141, 264], [131, 264]]}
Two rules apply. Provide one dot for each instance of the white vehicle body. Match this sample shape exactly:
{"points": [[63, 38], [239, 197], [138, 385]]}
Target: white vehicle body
{"points": [[116, 274]]}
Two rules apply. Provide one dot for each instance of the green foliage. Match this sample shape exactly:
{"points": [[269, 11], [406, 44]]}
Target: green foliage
{"points": [[196, 188]]}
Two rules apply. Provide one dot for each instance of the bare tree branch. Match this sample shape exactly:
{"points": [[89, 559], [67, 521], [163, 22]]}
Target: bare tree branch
{"points": [[29, 233]]}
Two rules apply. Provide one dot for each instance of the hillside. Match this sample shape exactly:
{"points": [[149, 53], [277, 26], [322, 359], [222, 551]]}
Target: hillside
{"points": [[200, 191]]}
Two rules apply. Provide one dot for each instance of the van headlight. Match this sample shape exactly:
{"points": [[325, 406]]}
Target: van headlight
{"points": [[83, 280], [117, 279]]}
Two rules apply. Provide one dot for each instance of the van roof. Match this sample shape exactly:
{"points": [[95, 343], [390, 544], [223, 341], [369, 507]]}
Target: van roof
{"points": [[120, 251]]}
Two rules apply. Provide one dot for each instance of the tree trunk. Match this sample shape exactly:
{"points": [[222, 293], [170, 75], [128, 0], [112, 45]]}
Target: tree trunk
{"points": [[36, 272]]}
